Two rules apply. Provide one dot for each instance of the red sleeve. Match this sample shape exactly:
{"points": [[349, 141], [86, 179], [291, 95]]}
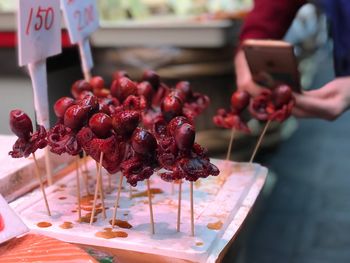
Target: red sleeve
{"points": [[270, 19]]}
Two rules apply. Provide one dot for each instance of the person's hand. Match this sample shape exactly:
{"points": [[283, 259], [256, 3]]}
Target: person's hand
{"points": [[244, 78], [328, 102]]}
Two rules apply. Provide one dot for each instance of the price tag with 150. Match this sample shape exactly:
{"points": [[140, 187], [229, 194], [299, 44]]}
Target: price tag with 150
{"points": [[39, 30]]}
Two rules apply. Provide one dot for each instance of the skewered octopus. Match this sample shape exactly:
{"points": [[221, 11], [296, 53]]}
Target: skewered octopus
{"points": [[99, 138], [181, 156], [135, 103], [164, 104], [81, 88], [275, 105], [62, 139], [125, 122], [27, 142], [108, 105], [143, 161], [159, 89], [123, 87], [194, 102], [72, 116], [232, 118], [167, 150]]}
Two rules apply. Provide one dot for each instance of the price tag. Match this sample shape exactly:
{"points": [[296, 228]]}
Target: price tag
{"points": [[39, 30], [81, 18]]}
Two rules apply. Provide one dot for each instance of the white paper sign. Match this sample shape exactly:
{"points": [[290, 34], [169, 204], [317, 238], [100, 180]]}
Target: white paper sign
{"points": [[38, 76], [86, 55], [39, 30], [81, 18]]}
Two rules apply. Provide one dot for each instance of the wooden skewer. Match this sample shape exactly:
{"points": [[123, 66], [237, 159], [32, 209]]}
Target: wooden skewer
{"points": [[179, 207], [109, 182], [37, 173], [78, 187], [259, 141], [230, 144], [85, 162], [150, 206], [48, 166], [85, 173], [117, 200], [130, 192], [101, 190], [102, 193], [97, 187], [192, 210], [86, 180]]}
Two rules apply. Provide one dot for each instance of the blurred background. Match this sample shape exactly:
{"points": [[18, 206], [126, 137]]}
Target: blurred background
{"points": [[303, 214]]}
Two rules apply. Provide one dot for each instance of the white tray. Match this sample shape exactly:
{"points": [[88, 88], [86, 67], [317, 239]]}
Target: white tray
{"points": [[228, 202]]}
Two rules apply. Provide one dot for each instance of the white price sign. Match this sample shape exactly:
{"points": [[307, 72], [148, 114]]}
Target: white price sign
{"points": [[81, 18], [39, 30]]}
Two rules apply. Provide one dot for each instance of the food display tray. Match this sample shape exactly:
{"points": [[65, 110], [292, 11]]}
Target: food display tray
{"points": [[221, 205]]}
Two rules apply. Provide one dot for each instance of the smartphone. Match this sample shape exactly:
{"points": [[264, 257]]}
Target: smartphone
{"points": [[272, 62]]}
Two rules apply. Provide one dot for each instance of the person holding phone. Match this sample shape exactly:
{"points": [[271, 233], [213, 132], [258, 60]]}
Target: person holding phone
{"points": [[271, 20]]}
